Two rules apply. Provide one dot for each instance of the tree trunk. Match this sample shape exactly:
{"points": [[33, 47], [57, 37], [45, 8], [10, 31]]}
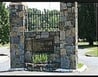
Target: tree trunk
{"points": [[91, 42]]}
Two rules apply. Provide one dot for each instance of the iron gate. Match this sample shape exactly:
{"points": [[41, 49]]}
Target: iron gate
{"points": [[43, 20]]}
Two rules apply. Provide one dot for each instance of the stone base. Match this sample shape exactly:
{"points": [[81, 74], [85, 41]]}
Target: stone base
{"points": [[17, 69]]}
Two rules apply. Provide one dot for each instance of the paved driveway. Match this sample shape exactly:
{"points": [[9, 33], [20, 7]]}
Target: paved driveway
{"points": [[91, 62], [5, 50]]}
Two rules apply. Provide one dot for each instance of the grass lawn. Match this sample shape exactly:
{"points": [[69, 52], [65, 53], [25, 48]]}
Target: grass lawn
{"points": [[86, 43], [93, 51], [80, 65], [83, 43]]}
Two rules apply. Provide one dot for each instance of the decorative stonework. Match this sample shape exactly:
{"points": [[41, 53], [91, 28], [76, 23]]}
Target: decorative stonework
{"points": [[23, 43], [68, 36], [17, 20]]}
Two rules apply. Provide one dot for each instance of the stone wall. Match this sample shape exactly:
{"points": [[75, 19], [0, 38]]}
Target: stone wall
{"points": [[68, 36], [33, 47], [17, 28]]}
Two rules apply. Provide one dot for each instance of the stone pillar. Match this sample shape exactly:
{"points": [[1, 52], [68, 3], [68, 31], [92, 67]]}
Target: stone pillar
{"points": [[17, 28], [68, 35]]}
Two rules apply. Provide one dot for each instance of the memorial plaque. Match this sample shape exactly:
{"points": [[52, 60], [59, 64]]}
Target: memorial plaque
{"points": [[43, 45]]}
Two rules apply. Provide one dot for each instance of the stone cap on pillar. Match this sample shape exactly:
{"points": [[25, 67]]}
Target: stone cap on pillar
{"points": [[19, 3], [63, 6]]}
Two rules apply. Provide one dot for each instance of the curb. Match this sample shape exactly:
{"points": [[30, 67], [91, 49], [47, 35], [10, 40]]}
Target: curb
{"points": [[83, 68], [17, 69]]}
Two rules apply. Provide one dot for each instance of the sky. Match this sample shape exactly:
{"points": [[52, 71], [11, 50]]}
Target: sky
{"points": [[42, 5]]}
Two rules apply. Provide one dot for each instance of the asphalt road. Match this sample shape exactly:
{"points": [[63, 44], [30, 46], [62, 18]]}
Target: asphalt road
{"points": [[91, 62]]}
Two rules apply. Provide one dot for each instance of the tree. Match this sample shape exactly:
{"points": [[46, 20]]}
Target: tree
{"points": [[87, 22], [4, 24]]}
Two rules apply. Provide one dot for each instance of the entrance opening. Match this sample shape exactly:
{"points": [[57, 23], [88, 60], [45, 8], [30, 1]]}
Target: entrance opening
{"points": [[87, 32]]}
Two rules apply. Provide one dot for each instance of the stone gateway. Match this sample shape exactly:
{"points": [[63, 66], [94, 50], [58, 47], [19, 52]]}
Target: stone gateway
{"points": [[56, 47]]}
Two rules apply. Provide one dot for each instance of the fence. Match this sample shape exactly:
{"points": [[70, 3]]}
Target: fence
{"points": [[43, 20]]}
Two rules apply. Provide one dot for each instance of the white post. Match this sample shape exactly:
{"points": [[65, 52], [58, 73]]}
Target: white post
{"points": [[96, 4], [76, 31]]}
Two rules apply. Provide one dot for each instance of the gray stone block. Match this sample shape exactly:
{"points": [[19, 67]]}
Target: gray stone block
{"points": [[30, 34], [15, 40], [44, 35], [65, 62], [69, 5], [70, 50], [28, 56], [56, 39], [57, 33], [52, 33], [62, 35], [72, 59], [38, 36], [54, 48], [69, 40], [70, 32], [62, 45], [63, 6], [58, 48], [22, 58], [15, 29], [63, 18], [63, 52], [68, 23], [69, 10]]}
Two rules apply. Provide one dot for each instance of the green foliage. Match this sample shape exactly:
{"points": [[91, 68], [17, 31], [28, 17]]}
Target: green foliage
{"points": [[4, 24], [5, 45], [40, 58], [87, 22]]}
